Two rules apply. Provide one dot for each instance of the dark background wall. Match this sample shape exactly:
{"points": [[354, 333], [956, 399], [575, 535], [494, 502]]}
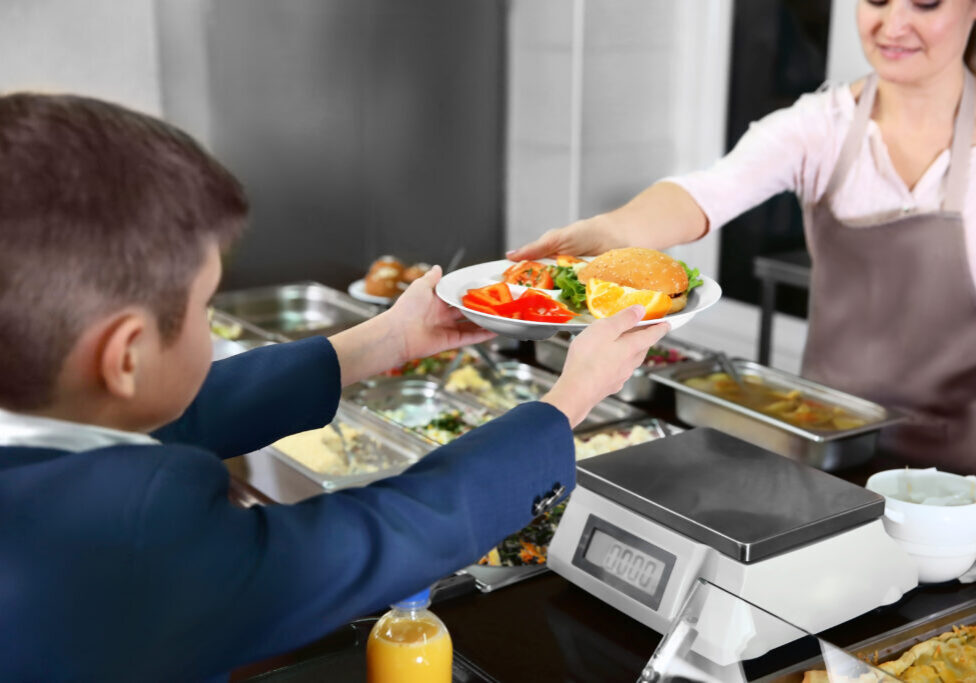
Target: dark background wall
{"points": [[360, 128], [779, 52]]}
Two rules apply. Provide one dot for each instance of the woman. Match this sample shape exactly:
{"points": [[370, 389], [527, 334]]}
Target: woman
{"points": [[883, 169]]}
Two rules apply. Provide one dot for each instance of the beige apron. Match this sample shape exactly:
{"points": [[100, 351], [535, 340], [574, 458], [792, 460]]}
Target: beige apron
{"points": [[893, 308]]}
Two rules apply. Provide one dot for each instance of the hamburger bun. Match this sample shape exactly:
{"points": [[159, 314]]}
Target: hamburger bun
{"points": [[640, 268]]}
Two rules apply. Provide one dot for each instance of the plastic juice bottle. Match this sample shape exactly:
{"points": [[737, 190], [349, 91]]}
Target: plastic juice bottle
{"points": [[409, 644]]}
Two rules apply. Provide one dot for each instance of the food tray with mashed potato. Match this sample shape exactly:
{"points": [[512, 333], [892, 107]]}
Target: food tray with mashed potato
{"points": [[551, 353], [514, 383], [296, 310], [784, 413], [940, 647], [375, 450], [421, 406]]}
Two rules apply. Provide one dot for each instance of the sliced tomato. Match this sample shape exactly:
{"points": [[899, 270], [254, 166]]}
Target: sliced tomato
{"points": [[567, 260], [530, 274], [490, 296]]}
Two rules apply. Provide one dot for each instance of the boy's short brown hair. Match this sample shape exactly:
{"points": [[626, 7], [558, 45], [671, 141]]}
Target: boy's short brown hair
{"points": [[100, 208]]}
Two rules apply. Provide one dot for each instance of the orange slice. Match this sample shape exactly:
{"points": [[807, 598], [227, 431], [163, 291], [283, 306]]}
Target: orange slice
{"points": [[606, 298]]}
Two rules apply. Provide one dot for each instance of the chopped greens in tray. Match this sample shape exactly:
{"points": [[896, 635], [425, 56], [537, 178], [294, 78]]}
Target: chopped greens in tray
{"points": [[431, 365], [528, 546], [443, 428]]}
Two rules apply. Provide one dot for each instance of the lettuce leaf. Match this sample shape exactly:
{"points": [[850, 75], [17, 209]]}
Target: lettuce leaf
{"points": [[694, 276], [573, 291]]}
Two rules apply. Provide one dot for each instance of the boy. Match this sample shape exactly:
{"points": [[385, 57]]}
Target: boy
{"points": [[120, 555]]}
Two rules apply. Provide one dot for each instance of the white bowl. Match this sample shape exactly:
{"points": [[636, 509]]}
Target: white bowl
{"points": [[939, 563], [455, 284], [936, 521]]}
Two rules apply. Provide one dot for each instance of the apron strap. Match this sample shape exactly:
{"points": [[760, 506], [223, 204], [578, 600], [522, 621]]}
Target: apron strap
{"points": [[855, 135], [962, 139]]}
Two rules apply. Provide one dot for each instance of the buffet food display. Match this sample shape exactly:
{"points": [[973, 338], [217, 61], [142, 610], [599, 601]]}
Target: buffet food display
{"points": [[421, 406], [510, 383], [789, 405], [294, 311], [355, 449], [551, 353], [950, 656], [388, 276], [386, 424], [779, 411]]}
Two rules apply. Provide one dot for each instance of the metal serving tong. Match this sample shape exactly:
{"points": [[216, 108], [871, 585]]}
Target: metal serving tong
{"points": [[728, 367], [346, 451]]}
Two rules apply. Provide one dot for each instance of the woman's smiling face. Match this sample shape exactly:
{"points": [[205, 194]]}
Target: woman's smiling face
{"points": [[909, 41]]}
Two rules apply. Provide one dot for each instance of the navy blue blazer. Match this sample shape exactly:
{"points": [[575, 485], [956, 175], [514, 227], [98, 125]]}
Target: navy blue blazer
{"points": [[129, 562]]}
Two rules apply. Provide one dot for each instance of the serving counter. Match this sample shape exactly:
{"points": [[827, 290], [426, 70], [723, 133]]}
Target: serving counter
{"points": [[544, 628]]}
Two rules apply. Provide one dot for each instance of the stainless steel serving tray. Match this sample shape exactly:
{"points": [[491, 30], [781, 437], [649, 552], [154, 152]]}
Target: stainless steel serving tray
{"points": [[518, 383], [889, 645], [825, 449], [420, 400], [296, 310], [551, 353], [396, 449], [658, 428]]}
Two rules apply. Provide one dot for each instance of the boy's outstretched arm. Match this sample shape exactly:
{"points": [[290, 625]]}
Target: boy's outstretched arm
{"points": [[255, 398]]}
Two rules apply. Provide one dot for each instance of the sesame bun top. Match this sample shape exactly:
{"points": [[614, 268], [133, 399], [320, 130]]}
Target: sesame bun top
{"points": [[638, 268]]}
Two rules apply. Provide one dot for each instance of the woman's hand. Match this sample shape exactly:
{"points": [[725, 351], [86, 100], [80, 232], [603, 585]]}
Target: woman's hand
{"points": [[600, 360], [587, 237], [659, 217], [426, 325]]}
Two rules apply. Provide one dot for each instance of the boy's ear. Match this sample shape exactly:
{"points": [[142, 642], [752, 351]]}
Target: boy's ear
{"points": [[123, 349]]}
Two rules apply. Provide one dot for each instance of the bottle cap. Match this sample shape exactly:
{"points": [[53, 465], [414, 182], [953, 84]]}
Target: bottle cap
{"points": [[421, 599]]}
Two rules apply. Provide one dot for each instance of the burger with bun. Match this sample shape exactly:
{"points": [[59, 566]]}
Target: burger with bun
{"points": [[637, 268]]}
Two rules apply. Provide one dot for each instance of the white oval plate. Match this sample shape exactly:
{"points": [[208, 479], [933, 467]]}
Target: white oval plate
{"points": [[454, 285], [357, 290]]}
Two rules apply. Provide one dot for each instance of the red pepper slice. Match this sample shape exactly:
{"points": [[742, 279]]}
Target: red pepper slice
{"points": [[535, 306], [475, 305], [492, 295]]}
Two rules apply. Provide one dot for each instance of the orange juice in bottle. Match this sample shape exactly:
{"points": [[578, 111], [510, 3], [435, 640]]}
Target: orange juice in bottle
{"points": [[409, 644]]}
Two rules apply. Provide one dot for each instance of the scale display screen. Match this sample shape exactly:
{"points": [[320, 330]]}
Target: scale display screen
{"points": [[624, 561]]}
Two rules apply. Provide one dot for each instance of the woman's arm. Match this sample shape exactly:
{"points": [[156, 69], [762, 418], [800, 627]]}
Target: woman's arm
{"points": [[659, 217], [773, 156]]}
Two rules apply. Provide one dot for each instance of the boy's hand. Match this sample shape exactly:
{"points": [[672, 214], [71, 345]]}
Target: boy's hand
{"points": [[600, 360], [426, 325]]}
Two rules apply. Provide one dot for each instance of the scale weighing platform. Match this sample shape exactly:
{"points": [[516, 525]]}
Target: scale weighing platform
{"points": [[646, 522]]}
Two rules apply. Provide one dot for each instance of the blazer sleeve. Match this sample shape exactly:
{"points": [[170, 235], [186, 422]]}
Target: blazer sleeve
{"points": [[222, 585], [255, 398]]}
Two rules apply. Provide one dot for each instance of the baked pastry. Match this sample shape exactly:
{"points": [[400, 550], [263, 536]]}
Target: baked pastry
{"points": [[383, 282], [950, 656], [414, 272]]}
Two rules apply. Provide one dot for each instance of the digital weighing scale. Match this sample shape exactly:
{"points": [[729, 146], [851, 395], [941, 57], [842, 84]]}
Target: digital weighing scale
{"points": [[646, 522]]}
